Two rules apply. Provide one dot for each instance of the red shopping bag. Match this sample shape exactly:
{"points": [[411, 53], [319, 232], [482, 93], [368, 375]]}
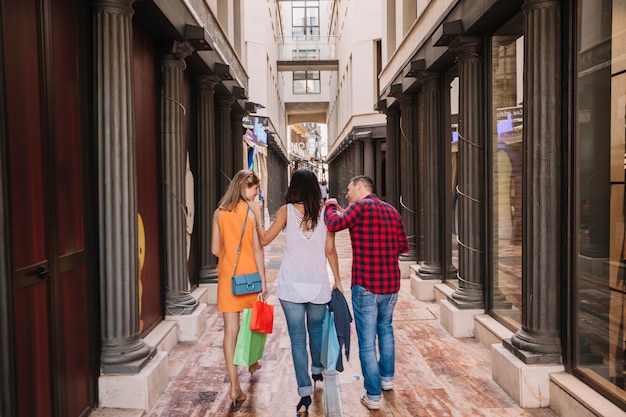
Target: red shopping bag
{"points": [[262, 318]]}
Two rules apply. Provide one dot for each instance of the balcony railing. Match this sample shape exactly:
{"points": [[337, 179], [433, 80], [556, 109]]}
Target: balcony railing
{"points": [[307, 48]]}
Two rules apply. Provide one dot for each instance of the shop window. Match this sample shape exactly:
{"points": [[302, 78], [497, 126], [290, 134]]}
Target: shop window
{"points": [[306, 82], [507, 64], [600, 152]]}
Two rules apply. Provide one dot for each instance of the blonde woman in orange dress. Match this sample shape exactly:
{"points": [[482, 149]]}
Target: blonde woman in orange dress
{"points": [[228, 222]]}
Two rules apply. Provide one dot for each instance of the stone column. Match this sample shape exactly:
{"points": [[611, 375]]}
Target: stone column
{"points": [[408, 188], [207, 177], [178, 300], [123, 351], [237, 131], [539, 340], [436, 231], [471, 170], [223, 129], [391, 157]]}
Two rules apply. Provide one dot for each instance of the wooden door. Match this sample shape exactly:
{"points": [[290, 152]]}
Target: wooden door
{"points": [[44, 140]]}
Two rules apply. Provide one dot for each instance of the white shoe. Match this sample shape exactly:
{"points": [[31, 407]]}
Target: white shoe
{"points": [[387, 385], [371, 404]]}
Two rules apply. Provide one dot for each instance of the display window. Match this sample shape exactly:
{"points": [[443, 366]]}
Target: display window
{"points": [[600, 156], [507, 65]]}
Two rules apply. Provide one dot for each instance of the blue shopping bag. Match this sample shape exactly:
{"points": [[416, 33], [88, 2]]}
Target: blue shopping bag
{"points": [[330, 342]]}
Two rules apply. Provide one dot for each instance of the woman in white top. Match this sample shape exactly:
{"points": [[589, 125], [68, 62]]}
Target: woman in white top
{"points": [[303, 285]]}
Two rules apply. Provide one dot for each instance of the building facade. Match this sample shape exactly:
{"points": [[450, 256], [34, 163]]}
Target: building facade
{"points": [[120, 128], [505, 151]]}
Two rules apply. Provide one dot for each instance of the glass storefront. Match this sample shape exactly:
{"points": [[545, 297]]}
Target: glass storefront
{"points": [[507, 64], [600, 262]]}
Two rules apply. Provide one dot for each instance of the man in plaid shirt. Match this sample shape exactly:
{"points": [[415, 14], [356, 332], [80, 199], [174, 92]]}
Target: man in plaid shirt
{"points": [[378, 238]]}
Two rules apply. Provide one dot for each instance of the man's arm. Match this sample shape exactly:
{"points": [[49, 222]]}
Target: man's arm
{"points": [[403, 241], [335, 220]]}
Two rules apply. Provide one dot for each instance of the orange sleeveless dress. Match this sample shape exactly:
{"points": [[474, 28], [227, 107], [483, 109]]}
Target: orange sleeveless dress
{"points": [[230, 224]]}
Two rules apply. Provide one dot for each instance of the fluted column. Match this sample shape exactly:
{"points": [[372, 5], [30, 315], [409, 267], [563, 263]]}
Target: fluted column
{"points": [[224, 137], [391, 157], [471, 169], [178, 300], [237, 131], [408, 190], [436, 231], [539, 339], [208, 177], [123, 351]]}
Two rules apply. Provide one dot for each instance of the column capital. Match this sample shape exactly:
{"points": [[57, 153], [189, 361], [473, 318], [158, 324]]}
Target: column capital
{"points": [[224, 102], [430, 81], [467, 47], [405, 98], [533, 4], [206, 82], [125, 6]]}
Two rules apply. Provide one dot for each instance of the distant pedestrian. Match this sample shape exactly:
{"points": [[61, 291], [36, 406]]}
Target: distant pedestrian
{"points": [[303, 285], [378, 238], [228, 231], [324, 190]]}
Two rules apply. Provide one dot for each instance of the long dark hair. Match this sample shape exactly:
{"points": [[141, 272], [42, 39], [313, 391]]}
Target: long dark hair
{"points": [[305, 189]]}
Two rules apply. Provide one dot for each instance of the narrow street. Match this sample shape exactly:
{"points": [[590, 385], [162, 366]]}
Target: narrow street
{"points": [[436, 374]]}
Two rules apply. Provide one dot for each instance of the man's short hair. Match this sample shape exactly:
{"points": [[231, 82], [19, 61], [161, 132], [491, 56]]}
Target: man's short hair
{"points": [[367, 182]]}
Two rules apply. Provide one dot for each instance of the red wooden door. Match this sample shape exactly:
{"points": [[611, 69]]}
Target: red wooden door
{"points": [[43, 97]]}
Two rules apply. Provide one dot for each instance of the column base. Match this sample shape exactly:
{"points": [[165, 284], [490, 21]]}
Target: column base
{"points": [[201, 294], [527, 385], [459, 323], [164, 337], [138, 391], [423, 289], [569, 396], [490, 331], [191, 326], [211, 294], [405, 268]]}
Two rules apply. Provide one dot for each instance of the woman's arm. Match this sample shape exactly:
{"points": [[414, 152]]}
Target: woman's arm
{"points": [[333, 259], [266, 236], [259, 258], [215, 234]]}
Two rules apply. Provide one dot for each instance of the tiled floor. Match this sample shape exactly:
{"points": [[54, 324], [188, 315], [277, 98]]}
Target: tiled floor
{"points": [[436, 375]]}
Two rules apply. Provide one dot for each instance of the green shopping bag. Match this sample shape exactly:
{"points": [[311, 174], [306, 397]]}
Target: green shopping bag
{"points": [[250, 345]]}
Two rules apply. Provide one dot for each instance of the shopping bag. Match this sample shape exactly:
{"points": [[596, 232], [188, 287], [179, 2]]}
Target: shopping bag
{"points": [[330, 342], [262, 317], [250, 345]]}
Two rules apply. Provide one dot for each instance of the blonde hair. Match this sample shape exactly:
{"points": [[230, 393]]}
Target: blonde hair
{"points": [[236, 189]]}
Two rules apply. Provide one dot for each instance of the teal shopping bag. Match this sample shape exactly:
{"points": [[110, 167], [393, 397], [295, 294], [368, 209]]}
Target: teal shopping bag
{"points": [[250, 345], [330, 342]]}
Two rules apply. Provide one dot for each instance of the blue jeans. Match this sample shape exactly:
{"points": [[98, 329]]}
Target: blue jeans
{"points": [[295, 316], [373, 314]]}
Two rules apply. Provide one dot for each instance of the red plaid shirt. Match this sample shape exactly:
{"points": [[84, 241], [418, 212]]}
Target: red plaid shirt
{"points": [[378, 238]]}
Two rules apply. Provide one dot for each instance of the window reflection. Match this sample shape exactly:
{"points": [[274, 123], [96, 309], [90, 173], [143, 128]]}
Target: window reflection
{"points": [[507, 127]]}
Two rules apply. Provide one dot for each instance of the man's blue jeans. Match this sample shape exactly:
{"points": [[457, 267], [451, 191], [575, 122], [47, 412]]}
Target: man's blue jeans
{"points": [[295, 315], [373, 314]]}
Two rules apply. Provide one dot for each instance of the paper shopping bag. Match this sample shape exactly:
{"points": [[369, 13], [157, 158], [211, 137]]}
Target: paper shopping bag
{"points": [[250, 345], [262, 318], [330, 342]]}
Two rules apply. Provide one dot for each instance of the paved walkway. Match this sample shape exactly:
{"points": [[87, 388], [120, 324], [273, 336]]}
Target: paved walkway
{"points": [[436, 374]]}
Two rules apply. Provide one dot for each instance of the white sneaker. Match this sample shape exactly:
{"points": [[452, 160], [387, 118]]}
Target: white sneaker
{"points": [[371, 404], [387, 385]]}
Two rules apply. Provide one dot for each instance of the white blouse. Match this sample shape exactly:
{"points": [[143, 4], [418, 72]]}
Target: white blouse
{"points": [[303, 275]]}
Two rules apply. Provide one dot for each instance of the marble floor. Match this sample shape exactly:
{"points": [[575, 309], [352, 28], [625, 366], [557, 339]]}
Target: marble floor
{"points": [[436, 374]]}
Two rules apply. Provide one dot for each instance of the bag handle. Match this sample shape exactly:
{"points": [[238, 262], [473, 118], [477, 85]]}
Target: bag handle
{"points": [[243, 229]]}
